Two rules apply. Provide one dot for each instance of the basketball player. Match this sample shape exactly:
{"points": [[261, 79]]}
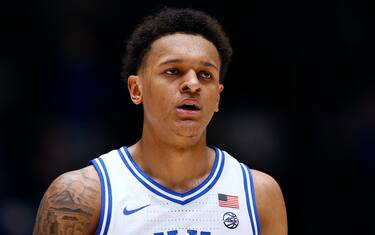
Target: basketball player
{"points": [[169, 182]]}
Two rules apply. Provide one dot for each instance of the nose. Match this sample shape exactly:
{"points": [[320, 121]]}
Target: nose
{"points": [[190, 83]]}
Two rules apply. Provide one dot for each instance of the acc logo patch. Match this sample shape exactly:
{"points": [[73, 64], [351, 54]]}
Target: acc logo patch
{"points": [[230, 220]]}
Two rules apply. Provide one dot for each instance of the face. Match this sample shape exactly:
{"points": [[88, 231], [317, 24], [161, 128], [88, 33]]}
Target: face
{"points": [[178, 85]]}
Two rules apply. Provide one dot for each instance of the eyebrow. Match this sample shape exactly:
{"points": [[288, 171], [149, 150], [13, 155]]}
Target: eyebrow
{"points": [[204, 63]]}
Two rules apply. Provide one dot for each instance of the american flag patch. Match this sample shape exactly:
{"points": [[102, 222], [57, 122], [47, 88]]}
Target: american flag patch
{"points": [[228, 201]]}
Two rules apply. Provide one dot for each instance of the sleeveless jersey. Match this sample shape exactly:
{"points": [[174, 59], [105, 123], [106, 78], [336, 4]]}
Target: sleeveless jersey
{"points": [[132, 203]]}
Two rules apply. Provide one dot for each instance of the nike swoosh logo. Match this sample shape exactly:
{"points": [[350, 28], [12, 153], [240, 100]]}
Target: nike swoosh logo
{"points": [[129, 212]]}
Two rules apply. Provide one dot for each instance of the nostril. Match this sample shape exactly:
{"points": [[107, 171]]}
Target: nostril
{"points": [[190, 88], [185, 87]]}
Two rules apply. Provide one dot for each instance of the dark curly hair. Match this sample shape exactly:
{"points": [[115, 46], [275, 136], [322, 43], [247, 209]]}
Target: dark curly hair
{"points": [[169, 21]]}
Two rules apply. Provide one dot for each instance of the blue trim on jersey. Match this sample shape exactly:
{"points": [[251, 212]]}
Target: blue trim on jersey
{"points": [[142, 182], [109, 211], [247, 198], [99, 228], [213, 182], [167, 189], [181, 195], [254, 202]]}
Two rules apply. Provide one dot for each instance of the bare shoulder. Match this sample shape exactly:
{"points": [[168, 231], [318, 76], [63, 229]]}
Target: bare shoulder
{"points": [[71, 204], [264, 183], [270, 204]]}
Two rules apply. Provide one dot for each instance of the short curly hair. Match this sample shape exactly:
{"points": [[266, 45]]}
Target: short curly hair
{"points": [[168, 21]]}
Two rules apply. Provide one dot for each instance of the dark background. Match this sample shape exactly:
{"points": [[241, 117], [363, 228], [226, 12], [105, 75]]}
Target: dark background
{"points": [[298, 104]]}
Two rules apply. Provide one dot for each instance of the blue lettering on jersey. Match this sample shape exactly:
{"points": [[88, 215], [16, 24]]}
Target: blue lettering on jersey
{"points": [[174, 232], [189, 232], [195, 232]]}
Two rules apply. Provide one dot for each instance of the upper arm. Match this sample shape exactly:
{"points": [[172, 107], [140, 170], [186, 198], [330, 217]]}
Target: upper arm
{"points": [[270, 205], [71, 205]]}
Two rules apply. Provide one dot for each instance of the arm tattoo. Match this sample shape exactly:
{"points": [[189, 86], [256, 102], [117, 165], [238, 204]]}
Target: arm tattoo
{"points": [[67, 206]]}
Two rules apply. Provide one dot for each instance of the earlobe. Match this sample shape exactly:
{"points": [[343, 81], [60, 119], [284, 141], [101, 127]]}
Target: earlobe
{"points": [[221, 88], [217, 103], [134, 88]]}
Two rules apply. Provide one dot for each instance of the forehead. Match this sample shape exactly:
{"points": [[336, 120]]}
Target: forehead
{"points": [[184, 47]]}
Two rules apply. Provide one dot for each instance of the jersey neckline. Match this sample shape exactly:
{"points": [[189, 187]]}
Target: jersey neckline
{"points": [[169, 194]]}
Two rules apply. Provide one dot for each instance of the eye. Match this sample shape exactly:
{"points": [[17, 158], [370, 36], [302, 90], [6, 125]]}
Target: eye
{"points": [[172, 71], [205, 75]]}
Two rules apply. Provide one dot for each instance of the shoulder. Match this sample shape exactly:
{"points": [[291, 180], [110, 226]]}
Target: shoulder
{"points": [[71, 204], [265, 183], [270, 204], [83, 182], [81, 175]]}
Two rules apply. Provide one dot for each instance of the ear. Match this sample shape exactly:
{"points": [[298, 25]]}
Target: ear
{"points": [[135, 89], [221, 88]]}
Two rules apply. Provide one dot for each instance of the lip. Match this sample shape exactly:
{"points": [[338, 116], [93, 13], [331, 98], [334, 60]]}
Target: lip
{"points": [[189, 101], [188, 113]]}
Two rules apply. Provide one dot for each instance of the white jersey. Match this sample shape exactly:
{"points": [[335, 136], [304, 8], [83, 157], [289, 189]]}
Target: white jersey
{"points": [[132, 203]]}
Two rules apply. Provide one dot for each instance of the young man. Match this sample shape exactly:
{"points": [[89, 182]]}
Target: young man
{"points": [[169, 182]]}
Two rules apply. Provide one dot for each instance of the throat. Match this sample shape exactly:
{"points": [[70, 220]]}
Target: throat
{"points": [[180, 175], [180, 172], [180, 184]]}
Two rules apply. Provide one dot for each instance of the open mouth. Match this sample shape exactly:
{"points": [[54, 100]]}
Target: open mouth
{"points": [[190, 107]]}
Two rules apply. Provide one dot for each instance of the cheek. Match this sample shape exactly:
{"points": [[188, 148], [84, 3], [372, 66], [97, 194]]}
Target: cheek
{"points": [[212, 100], [159, 99]]}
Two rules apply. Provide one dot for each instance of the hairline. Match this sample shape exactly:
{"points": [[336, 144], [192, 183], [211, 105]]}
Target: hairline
{"points": [[146, 51]]}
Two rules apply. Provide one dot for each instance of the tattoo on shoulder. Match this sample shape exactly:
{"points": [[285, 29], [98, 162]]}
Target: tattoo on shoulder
{"points": [[67, 207]]}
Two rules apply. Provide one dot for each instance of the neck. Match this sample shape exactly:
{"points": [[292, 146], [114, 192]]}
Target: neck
{"points": [[175, 166]]}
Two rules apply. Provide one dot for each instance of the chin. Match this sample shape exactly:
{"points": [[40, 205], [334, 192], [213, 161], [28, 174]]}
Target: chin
{"points": [[189, 129], [190, 135], [188, 132]]}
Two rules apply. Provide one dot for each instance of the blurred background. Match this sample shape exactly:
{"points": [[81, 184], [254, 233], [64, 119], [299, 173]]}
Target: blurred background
{"points": [[298, 104]]}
